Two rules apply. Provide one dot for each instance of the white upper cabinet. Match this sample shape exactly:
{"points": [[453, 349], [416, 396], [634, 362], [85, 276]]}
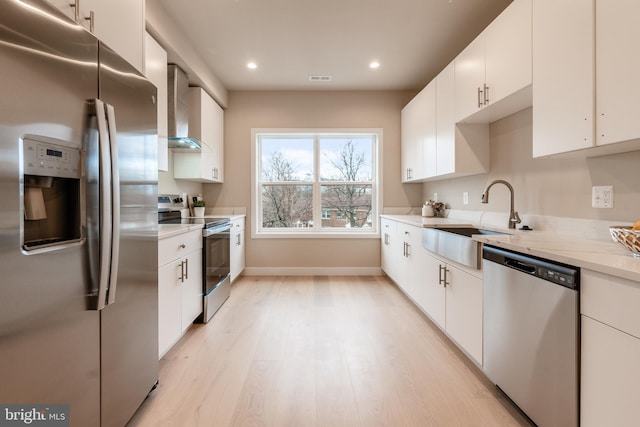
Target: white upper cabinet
{"points": [[563, 76], [118, 23], [617, 70], [413, 121], [584, 67], [429, 132], [433, 146], [508, 52], [469, 79], [461, 149], [494, 72], [445, 122], [206, 122], [155, 69]]}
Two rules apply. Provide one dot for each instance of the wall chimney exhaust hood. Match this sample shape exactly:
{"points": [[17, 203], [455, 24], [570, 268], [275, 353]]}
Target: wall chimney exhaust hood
{"points": [[179, 110]]}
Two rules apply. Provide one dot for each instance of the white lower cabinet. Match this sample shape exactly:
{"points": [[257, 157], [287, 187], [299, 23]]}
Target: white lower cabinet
{"points": [[463, 308], [610, 379], [179, 286], [449, 294], [390, 248], [453, 299], [610, 350], [237, 248]]}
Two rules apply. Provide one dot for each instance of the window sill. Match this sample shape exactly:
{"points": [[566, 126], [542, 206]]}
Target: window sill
{"points": [[315, 235]]}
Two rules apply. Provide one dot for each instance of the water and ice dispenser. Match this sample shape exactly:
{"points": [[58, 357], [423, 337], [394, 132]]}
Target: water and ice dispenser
{"points": [[51, 193]]}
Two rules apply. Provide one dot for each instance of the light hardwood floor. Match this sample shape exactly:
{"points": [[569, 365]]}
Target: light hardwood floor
{"points": [[320, 351]]}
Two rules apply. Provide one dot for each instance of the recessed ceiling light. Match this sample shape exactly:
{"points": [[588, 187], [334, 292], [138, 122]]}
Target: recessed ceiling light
{"points": [[374, 65], [252, 65]]}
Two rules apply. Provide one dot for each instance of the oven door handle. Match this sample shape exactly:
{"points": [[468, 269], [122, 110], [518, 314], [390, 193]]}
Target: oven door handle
{"points": [[216, 230]]}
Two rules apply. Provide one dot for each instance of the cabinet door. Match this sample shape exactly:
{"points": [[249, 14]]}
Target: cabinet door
{"points": [[433, 295], [429, 132], [469, 79], [169, 307], [445, 116], [610, 376], [65, 7], [617, 70], [120, 24], [563, 76], [508, 52], [409, 275], [191, 289], [411, 139], [391, 248], [464, 311], [155, 69], [217, 140], [237, 249]]}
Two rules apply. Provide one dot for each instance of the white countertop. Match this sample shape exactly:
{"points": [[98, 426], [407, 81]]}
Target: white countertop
{"points": [[168, 230], [607, 257]]}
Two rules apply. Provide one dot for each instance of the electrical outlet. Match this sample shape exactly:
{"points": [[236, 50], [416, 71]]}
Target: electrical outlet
{"points": [[465, 198], [602, 196], [435, 197]]}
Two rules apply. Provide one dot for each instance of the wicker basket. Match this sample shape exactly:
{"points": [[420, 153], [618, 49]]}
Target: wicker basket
{"points": [[627, 237]]}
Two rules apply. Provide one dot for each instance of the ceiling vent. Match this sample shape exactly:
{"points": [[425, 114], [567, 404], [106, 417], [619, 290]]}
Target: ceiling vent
{"points": [[320, 78]]}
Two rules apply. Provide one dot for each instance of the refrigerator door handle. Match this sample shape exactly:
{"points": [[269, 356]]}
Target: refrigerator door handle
{"points": [[115, 204], [105, 203]]}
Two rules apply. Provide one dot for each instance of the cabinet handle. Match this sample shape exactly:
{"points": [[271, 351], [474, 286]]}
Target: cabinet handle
{"points": [[486, 94], [445, 276], [440, 279], [408, 249], [479, 97], [186, 265], [182, 246], [181, 278], [76, 6], [238, 239], [386, 239], [91, 20]]}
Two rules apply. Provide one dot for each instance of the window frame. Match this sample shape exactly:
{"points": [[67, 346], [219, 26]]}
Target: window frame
{"points": [[257, 231]]}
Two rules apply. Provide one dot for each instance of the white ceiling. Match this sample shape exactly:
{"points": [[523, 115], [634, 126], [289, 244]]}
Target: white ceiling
{"points": [[290, 40]]}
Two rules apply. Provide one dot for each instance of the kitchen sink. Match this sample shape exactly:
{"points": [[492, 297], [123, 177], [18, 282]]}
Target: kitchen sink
{"points": [[468, 231], [455, 243]]}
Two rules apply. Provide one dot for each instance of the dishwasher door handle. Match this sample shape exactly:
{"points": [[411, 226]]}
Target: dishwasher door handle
{"points": [[520, 266]]}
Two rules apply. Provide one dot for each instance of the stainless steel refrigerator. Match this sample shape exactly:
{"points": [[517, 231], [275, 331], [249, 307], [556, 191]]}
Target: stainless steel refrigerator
{"points": [[78, 220]]}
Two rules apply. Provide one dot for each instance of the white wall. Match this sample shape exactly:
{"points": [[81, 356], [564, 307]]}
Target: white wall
{"points": [[310, 109], [549, 186], [168, 185]]}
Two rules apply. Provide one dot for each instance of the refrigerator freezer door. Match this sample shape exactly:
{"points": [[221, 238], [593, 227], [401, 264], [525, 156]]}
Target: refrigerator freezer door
{"points": [[129, 325], [49, 341]]}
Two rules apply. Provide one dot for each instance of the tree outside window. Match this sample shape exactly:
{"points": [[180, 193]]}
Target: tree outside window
{"points": [[320, 182]]}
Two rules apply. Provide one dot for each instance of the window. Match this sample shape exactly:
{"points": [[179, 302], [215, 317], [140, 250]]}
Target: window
{"points": [[316, 183]]}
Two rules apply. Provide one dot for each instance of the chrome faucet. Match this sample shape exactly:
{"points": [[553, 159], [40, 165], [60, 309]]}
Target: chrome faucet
{"points": [[514, 218]]}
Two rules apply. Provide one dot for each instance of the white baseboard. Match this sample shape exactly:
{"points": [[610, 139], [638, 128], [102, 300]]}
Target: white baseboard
{"points": [[313, 271]]}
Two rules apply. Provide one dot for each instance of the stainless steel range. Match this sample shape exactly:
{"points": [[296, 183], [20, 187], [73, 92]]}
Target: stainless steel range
{"points": [[216, 234]]}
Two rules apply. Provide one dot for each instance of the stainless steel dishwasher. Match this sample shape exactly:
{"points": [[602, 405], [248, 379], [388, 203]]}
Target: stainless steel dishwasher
{"points": [[531, 334]]}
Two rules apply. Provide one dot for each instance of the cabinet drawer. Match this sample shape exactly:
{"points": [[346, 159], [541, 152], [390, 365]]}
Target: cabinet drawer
{"points": [[178, 246], [237, 224], [410, 234], [611, 300]]}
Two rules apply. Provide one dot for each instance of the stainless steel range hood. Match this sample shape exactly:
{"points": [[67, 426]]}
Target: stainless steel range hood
{"points": [[179, 111]]}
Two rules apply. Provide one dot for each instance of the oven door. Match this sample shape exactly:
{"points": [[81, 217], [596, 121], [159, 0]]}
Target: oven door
{"points": [[216, 277], [216, 246]]}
